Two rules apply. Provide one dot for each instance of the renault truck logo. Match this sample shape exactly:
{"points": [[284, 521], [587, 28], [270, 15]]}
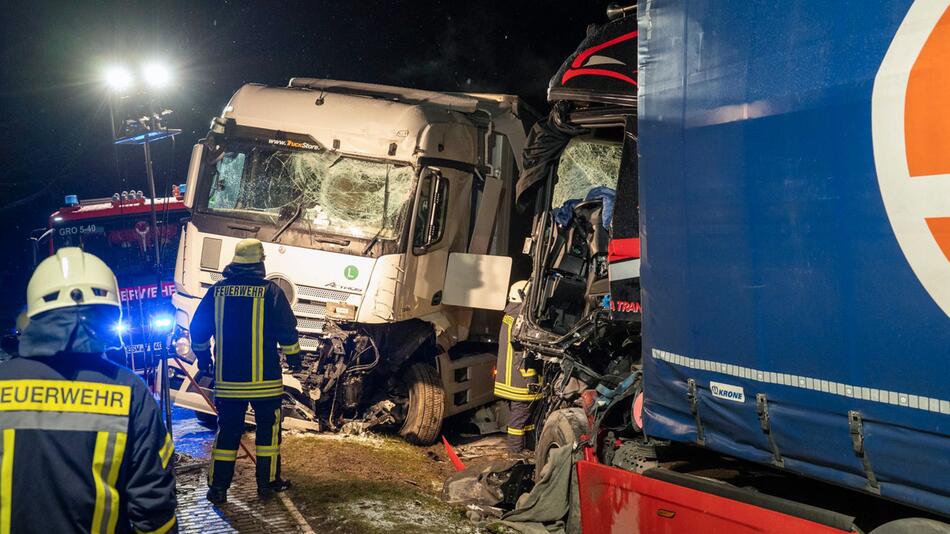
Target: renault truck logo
{"points": [[910, 126]]}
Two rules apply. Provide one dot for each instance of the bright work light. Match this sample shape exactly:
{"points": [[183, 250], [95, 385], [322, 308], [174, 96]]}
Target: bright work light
{"points": [[118, 78], [156, 75], [162, 323]]}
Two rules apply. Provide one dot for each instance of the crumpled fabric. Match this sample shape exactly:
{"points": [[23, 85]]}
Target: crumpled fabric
{"points": [[237, 270], [477, 485], [84, 329], [543, 148], [553, 506], [608, 197]]}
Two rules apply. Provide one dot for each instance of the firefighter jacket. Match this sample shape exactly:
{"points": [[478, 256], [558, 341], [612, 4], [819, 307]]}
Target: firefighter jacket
{"points": [[83, 448], [516, 377], [247, 316]]}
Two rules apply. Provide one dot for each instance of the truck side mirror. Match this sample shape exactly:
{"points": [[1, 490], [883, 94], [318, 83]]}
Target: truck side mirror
{"points": [[194, 167]]}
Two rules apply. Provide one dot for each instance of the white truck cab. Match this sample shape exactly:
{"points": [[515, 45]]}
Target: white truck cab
{"points": [[385, 215]]}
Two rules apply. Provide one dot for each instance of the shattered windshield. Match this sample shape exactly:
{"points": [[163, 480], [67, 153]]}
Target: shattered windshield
{"points": [[327, 191], [584, 165]]}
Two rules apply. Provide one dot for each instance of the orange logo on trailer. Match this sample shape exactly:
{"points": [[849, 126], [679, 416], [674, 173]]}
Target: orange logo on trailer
{"points": [[910, 111]]}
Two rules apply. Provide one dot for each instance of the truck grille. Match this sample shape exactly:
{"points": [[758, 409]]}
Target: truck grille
{"points": [[322, 294], [310, 308], [310, 325]]}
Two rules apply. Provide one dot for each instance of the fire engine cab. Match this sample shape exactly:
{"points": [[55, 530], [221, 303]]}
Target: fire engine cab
{"points": [[118, 230]]}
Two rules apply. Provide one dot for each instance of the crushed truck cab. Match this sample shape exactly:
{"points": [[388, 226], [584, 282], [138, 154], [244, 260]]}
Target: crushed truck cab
{"points": [[385, 215]]}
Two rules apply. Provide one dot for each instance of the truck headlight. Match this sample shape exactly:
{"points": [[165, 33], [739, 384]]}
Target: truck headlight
{"points": [[182, 341]]}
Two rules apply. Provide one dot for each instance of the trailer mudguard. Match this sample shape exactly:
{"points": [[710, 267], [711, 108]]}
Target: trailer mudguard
{"points": [[795, 226]]}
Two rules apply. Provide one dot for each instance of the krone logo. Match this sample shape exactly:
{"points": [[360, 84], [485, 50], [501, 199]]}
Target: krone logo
{"points": [[910, 124], [727, 391]]}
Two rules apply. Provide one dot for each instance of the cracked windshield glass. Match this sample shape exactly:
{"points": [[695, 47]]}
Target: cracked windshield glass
{"points": [[326, 191], [584, 165]]}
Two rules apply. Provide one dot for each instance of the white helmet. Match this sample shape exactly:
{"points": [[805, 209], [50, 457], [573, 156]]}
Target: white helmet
{"points": [[70, 278], [517, 288]]}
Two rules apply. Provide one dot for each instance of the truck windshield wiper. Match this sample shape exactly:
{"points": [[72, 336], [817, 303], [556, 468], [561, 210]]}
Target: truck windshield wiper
{"points": [[331, 240], [287, 224], [372, 241]]}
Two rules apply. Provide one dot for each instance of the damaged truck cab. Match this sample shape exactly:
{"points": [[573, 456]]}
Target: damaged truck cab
{"points": [[582, 312], [385, 217]]}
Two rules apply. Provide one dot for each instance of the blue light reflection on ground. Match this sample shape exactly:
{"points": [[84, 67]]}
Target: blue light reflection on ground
{"points": [[191, 437]]}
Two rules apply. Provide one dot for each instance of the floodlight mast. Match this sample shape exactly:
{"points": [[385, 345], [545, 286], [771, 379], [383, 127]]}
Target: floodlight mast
{"points": [[156, 77]]}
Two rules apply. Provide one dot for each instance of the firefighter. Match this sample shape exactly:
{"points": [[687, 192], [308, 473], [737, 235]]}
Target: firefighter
{"points": [[247, 316], [516, 374], [83, 447]]}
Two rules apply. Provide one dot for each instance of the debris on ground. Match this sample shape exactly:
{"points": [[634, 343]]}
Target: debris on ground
{"points": [[497, 484]]}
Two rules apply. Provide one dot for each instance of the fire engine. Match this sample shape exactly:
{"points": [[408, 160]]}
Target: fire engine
{"points": [[118, 230]]}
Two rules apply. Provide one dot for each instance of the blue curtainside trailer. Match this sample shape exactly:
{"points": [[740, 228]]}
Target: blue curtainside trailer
{"points": [[794, 162]]}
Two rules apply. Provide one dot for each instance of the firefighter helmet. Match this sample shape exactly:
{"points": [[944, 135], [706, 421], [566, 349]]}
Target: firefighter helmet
{"points": [[516, 291], [71, 277], [248, 251]]}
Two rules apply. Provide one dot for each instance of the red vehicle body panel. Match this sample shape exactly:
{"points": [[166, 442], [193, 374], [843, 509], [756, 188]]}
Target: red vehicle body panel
{"points": [[105, 208], [617, 501]]}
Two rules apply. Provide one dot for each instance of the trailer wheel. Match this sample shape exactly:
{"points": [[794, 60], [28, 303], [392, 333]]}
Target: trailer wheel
{"points": [[426, 404], [207, 419], [913, 525], [562, 428]]}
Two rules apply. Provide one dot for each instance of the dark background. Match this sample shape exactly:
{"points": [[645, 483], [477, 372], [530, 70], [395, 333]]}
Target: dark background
{"points": [[54, 113]]}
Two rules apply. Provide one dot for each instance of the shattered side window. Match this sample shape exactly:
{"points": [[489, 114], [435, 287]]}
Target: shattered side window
{"points": [[331, 193], [584, 165]]}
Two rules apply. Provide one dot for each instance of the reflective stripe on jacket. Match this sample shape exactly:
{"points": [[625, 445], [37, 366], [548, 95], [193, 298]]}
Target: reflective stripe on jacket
{"points": [[82, 449], [247, 316], [514, 373]]}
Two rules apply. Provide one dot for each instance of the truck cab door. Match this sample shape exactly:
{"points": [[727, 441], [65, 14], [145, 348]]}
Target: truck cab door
{"points": [[429, 243], [624, 249]]}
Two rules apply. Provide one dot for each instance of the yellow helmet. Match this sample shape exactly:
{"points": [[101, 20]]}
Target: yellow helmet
{"points": [[248, 251], [69, 278], [517, 288]]}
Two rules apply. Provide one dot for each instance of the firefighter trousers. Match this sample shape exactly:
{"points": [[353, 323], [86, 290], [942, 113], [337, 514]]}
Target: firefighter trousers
{"points": [[226, 442], [519, 417]]}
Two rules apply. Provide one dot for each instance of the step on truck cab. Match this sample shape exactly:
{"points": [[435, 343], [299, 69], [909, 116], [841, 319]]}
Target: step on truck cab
{"points": [[385, 214]]}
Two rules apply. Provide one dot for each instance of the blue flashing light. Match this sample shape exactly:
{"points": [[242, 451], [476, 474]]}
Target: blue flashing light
{"points": [[71, 200], [120, 328], [162, 323], [182, 188]]}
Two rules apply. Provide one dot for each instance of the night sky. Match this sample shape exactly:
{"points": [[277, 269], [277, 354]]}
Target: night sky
{"points": [[54, 120]]}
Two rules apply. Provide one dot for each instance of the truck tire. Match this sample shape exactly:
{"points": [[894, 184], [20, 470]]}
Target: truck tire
{"points": [[913, 525], [562, 428], [426, 405], [207, 419]]}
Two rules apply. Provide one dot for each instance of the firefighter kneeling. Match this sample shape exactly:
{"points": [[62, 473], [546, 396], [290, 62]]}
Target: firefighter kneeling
{"points": [[248, 317], [83, 446], [516, 375]]}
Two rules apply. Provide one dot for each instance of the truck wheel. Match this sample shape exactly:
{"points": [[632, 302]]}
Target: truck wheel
{"points": [[913, 525], [207, 419], [426, 405], [562, 428]]}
